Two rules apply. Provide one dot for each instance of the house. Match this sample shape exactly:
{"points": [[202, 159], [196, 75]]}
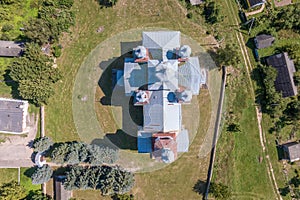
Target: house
{"points": [[13, 116], [196, 2], [60, 193], [284, 82], [11, 48], [254, 3], [161, 77], [263, 41], [292, 151]]}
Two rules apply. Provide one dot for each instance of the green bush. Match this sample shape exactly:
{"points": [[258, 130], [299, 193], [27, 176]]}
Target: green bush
{"points": [[7, 28], [56, 50]]}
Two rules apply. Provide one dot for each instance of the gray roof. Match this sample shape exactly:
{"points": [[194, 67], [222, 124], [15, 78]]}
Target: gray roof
{"points": [[284, 82], [13, 115], [293, 150], [163, 74], [190, 76], [160, 114], [196, 2], [10, 48], [161, 39], [135, 76], [183, 141], [263, 41]]}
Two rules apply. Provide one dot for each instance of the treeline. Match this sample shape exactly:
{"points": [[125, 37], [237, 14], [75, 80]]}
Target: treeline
{"points": [[35, 75], [78, 152], [109, 180], [54, 17], [75, 152]]}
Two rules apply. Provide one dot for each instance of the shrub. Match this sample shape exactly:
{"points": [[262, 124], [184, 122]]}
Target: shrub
{"points": [[41, 175], [7, 28], [42, 144]]}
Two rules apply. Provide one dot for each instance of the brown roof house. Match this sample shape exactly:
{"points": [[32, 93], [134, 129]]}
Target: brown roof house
{"points": [[13, 116], [284, 82], [292, 151], [263, 41], [11, 48], [161, 77]]}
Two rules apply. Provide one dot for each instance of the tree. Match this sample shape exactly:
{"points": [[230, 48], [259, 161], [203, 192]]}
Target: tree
{"points": [[292, 110], [109, 180], [35, 75], [99, 155], [123, 197], [12, 190], [37, 195], [212, 12], [219, 191], [41, 175], [228, 55], [42, 144]]}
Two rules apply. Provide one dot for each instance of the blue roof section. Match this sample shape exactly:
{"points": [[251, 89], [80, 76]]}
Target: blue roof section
{"points": [[144, 142], [183, 141]]}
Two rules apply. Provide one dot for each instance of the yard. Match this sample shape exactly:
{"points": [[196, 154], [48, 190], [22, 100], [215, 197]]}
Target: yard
{"points": [[244, 176]]}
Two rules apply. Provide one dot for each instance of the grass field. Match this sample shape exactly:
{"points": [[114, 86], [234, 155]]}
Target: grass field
{"points": [[178, 179], [11, 174]]}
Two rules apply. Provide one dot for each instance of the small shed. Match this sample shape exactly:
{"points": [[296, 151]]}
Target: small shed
{"points": [[263, 41], [196, 2], [292, 151], [13, 116], [11, 48], [60, 193]]}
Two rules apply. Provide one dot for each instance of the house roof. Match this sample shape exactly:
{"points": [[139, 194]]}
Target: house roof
{"points": [[160, 115], [165, 147], [135, 76], [144, 142], [13, 115], [163, 74], [183, 141], [10, 48], [254, 3], [190, 76], [263, 41], [293, 150], [60, 192], [161, 39], [196, 2], [284, 82]]}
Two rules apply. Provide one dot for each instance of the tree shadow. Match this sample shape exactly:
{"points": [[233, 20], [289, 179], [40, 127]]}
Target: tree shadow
{"points": [[200, 187], [256, 75], [120, 139], [106, 3], [11, 83], [30, 171], [280, 152]]}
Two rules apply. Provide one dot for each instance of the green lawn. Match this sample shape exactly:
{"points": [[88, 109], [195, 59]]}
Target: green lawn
{"points": [[8, 175], [11, 174]]}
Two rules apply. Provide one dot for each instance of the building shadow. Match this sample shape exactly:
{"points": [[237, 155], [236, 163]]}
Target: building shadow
{"points": [[118, 140]]}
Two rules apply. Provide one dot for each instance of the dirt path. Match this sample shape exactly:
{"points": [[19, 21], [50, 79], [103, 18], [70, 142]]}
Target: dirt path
{"points": [[247, 63]]}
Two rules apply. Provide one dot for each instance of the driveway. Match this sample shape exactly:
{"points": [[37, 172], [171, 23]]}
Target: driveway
{"points": [[14, 152]]}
